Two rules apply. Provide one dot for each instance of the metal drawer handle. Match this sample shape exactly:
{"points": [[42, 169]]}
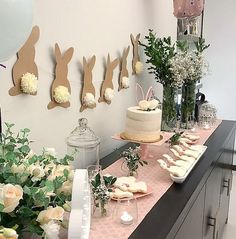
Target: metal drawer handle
{"points": [[213, 222], [227, 184]]}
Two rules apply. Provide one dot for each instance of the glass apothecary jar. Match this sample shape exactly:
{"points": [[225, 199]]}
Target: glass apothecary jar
{"points": [[83, 144], [207, 116]]}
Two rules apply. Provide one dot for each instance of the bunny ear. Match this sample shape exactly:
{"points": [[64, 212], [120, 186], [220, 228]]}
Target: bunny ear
{"points": [[108, 59], [68, 55], [84, 62], [132, 38], [34, 36], [114, 63], [138, 36], [92, 62], [57, 53], [149, 93], [139, 91], [126, 52]]}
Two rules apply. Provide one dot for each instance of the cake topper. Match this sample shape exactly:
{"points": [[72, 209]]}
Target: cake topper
{"points": [[60, 89], [146, 103]]}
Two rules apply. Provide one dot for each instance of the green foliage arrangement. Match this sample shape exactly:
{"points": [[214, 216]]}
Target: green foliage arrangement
{"points": [[34, 188], [101, 191], [132, 159]]}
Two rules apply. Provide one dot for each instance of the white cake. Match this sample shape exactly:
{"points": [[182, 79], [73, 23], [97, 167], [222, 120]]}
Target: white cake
{"points": [[142, 125]]}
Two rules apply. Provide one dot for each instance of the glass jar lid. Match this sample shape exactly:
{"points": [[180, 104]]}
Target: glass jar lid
{"points": [[82, 136]]}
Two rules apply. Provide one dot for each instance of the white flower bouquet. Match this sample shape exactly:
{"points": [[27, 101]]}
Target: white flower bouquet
{"points": [[34, 189]]}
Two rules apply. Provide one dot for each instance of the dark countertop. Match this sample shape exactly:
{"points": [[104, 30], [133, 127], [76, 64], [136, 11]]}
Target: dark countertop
{"points": [[164, 219]]}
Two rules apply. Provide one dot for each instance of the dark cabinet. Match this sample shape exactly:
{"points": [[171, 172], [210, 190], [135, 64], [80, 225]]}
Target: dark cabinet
{"points": [[212, 203], [192, 226], [209, 214], [226, 185]]}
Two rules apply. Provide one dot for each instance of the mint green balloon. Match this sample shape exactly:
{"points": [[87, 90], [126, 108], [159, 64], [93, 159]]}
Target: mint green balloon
{"points": [[16, 17]]}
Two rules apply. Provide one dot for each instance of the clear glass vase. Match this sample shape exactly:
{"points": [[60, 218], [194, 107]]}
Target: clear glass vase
{"points": [[130, 169], [169, 115], [101, 208], [188, 102]]}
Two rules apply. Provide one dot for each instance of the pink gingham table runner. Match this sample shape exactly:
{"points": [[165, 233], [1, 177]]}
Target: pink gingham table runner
{"points": [[156, 178]]}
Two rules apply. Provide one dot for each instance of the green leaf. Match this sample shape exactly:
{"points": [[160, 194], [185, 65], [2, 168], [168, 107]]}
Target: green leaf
{"points": [[35, 229], [27, 190], [66, 173], [26, 130], [1, 207], [49, 186], [25, 149], [26, 212]]}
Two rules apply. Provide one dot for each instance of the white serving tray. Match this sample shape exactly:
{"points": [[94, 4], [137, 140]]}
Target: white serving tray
{"points": [[181, 179]]}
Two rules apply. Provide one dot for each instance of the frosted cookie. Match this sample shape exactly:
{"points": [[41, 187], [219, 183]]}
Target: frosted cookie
{"points": [[192, 137], [177, 171], [192, 153], [117, 193], [139, 187], [124, 182], [179, 149], [184, 164]]}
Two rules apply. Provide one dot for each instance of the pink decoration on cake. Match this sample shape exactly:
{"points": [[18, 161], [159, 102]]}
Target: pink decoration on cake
{"points": [[188, 8]]}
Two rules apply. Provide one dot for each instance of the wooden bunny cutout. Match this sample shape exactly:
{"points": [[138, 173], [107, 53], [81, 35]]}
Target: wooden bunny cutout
{"points": [[136, 57], [25, 62], [107, 89], [88, 91], [124, 74], [61, 80]]}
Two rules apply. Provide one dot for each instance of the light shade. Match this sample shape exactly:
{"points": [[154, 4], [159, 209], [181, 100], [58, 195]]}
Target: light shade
{"points": [[188, 8]]}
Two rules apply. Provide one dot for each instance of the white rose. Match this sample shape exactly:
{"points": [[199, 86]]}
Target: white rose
{"points": [[71, 175], [139, 67], [66, 188], [19, 169], [29, 83], [37, 172], [125, 82], [10, 196], [109, 94], [89, 100], [16, 169], [50, 152], [30, 154], [49, 167], [67, 206], [153, 104], [61, 94], [51, 230], [59, 171], [49, 214], [10, 233], [143, 105]]}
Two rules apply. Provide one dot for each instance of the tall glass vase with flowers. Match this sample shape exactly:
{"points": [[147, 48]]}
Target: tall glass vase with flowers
{"points": [[159, 51], [187, 67]]}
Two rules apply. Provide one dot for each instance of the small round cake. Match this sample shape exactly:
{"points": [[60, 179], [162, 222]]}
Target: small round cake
{"points": [[142, 125]]}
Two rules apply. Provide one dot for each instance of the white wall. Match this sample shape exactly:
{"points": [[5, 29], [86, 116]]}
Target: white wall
{"points": [[91, 27], [220, 32]]}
